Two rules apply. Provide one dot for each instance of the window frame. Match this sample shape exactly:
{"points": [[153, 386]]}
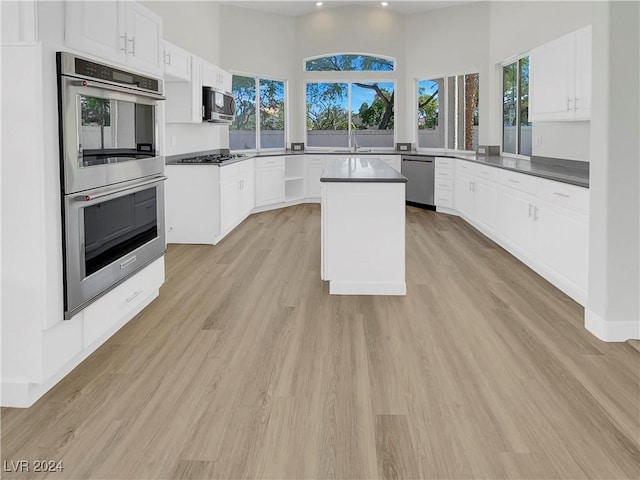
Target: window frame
{"points": [[257, 79], [314, 57], [444, 106], [349, 82], [504, 63]]}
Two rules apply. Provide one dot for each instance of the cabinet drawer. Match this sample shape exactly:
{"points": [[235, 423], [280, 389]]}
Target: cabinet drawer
{"points": [[519, 181], [270, 162], [488, 173], [228, 172], [445, 174], [564, 194], [444, 184], [443, 198], [442, 162], [464, 166], [124, 301]]}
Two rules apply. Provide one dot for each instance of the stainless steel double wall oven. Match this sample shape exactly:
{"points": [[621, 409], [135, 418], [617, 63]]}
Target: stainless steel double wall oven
{"points": [[112, 176]]}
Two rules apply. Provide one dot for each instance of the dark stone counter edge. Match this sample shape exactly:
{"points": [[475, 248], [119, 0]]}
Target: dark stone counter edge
{"points": [[573, 172], [363, 180]]}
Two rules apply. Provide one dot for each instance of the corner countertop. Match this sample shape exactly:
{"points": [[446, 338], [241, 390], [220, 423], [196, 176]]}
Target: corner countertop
{"points": [[573, 172], [357, 170]]}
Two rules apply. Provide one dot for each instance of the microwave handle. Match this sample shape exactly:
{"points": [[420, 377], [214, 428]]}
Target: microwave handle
{"points": [[87, 83]]}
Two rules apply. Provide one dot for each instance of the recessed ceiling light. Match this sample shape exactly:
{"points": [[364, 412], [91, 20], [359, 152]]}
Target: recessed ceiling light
{"points": [[318, 4], [384, 4]]}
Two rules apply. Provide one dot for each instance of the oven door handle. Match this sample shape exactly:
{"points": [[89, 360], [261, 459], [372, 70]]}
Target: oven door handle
{"points": [[88, 198], [110, 86]]}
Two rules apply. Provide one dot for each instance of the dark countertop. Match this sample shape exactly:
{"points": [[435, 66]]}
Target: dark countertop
{"points": [[567, 171], [354, 170]]}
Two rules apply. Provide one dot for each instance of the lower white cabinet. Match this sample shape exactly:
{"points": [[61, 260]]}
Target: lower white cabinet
{"points": [[315, 165], [542, 222], [270, 182], [443, 184], [237, 196], [516, 211]]}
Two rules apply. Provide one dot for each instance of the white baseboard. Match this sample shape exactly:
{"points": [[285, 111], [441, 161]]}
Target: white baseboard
{"points": [[24, 394], [447, 210], [611, 331], [367, 288]]}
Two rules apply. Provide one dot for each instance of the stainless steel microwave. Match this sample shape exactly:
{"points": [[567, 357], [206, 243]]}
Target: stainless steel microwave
{"points": [[217, 106]]}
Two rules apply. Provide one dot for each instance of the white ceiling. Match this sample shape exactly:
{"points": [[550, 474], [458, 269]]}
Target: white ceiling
{"points": [[302, 7]]}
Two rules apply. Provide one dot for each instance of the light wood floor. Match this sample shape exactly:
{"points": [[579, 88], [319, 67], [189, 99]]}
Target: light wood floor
{"points": [[245, 367]]}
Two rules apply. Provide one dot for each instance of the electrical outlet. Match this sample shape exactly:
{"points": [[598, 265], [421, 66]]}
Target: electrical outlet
{"points": [[173, 140]]}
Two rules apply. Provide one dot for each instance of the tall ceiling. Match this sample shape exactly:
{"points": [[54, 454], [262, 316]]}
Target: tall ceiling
{"points": [[302, 7]]}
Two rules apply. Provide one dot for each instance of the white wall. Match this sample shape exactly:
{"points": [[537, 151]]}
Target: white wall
{"points": [[515, 28], [448, 41], [193, 26], [612, 311]]}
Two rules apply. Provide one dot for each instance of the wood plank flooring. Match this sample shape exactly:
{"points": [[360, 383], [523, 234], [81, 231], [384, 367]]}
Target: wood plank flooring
{"points": [[245, 367]]}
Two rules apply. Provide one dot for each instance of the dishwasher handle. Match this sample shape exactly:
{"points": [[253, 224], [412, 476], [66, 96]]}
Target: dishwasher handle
{"points": [[416, 158]]}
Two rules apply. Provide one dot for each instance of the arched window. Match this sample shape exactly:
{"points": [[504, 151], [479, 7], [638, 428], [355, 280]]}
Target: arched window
{"points": [[349, 62]]}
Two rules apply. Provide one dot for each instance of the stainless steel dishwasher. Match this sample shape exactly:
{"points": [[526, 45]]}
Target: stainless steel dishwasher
{"points": [[419, 171]]}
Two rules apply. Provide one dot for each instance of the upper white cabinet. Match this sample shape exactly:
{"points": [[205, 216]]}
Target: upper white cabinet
{"points": [[19, 22], [119, 31], [177, 63], [560, 79], [215, 77]]}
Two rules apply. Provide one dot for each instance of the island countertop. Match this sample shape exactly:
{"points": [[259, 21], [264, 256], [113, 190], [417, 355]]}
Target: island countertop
{"points": [[356, 169]]}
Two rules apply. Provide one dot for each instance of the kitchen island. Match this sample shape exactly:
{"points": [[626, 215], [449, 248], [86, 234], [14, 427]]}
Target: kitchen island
{"points": [[363, 227]]}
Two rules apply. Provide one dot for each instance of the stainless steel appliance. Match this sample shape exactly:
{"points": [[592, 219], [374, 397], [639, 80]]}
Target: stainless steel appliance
{"points": [[217, 106], [212, 158], [111, 176], [419, 171], [108, 124]]}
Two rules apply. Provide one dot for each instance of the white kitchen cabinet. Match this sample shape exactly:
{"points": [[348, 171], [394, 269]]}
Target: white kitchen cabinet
{"points": [[269, 186], [214, 77], [184, 99], [485, 204], [177, 63], [562, 247], [123, 32], [237, 196], [443, 185], [192, 204], [516, 214], [463, 186], [560, 78], [315, 165], [19, 22], [270, 181]]}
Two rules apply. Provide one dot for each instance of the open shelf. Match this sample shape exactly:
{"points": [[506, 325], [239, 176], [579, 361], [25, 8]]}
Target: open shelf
{"points": [[294, 167], [289, 179], [294, 189]]}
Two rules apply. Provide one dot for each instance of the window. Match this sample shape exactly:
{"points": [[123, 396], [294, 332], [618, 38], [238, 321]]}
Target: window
{"points": [[516, 128], [462, 109], [260, 114], [348, 114], [452, 124], [430, 114], [349, 63]]}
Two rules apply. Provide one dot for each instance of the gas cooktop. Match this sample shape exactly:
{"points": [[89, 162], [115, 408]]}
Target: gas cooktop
{"points": [[212, 158]]}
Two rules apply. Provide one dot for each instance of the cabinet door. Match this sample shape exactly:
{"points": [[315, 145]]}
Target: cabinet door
{"points": [[464, 194], [210, 75], [144, 39], [515, 219], [551, 86], [97, 28], [229, 208], [227, 81], [583, 74], [562, 245], [177, 63], [485, 204], [269, 186], [315, 167], [247, 193]]}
